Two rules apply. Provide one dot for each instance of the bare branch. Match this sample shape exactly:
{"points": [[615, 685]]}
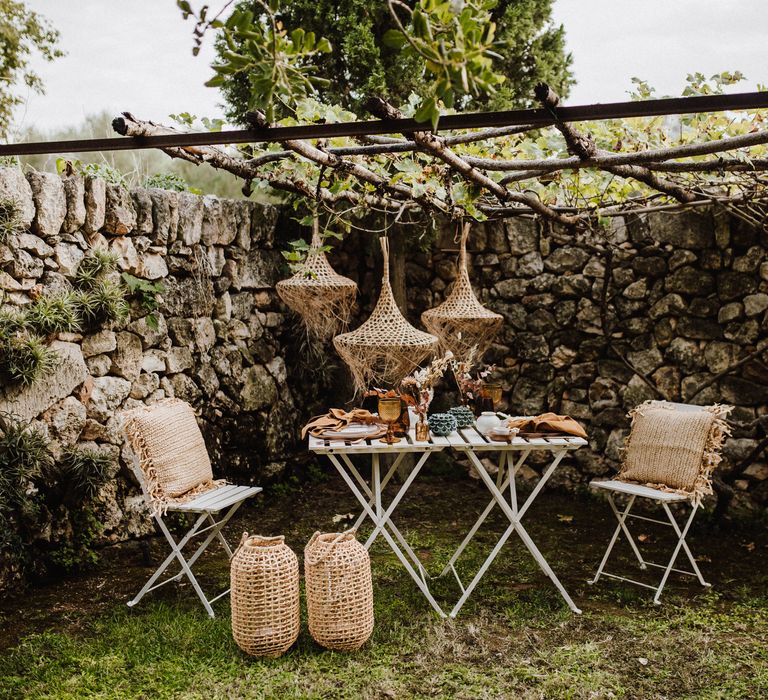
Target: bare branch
{"points": [[435, 145]]}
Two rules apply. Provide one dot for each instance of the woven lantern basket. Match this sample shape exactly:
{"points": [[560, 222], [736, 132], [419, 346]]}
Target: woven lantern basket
{"points": [[264, 576], [386, 348], [461, 322], [318, 294], [337, 570]]}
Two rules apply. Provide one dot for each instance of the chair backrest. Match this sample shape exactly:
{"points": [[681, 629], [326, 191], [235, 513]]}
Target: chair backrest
{"points": [[675, 446], [170, 455]]}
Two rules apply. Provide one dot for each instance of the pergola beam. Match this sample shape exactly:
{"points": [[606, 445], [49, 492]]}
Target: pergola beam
{"points": [[530, 118]]}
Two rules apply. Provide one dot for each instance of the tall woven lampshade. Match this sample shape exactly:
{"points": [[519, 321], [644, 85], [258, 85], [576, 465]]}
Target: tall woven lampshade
{"points": [[318, 294], [461, 321], [386, 348]]}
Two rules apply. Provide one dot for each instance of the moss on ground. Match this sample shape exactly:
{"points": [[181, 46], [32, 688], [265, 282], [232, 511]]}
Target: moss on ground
{"points": [[514, 638]]}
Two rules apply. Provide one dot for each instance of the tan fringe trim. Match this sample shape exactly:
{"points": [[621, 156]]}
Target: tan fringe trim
{"points": [[159, 500], [711, 457]]}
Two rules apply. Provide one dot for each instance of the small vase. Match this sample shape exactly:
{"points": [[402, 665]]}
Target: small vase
{"points": [[422, 430]]}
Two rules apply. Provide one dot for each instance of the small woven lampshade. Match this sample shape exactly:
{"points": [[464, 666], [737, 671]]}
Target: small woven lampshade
{"points": [[318, 294], [386, 348], [461, 321]]}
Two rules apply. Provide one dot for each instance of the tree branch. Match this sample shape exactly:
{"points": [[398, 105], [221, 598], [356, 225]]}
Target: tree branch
{"points": [[583, 146], [436, 146]]}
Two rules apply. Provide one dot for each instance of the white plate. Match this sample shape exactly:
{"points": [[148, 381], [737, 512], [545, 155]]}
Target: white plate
{"points": [[355, 430]]}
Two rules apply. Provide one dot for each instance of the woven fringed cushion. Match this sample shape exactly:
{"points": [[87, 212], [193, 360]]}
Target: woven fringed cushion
{"points": [[171, 451], [675, 448]]}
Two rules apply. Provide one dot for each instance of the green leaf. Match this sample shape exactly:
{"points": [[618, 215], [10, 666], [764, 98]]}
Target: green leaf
{"points": [[394, 39]]}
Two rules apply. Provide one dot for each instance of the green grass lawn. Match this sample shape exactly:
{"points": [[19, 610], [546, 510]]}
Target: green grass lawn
{"points": [[515, 638]]}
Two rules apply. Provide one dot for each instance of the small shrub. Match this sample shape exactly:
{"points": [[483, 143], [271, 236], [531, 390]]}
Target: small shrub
{"points": [[93, 267], [24, 457], [81, 472], [103, 303], [27, 358], [52, 314], [11, 221], [167, 181]]}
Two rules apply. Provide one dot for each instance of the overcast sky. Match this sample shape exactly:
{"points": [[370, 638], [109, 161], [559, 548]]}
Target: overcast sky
{"points": [[136, 55]]}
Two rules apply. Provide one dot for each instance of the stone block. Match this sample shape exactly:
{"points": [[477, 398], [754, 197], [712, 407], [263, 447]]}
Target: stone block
{"points": [[688, 229], [178, 359], [50, 203], [69, 373], [261, 269], [106, 395], [142, 204], [74, 193], [128, 357], [259, 390], [127, 256], [151, 336], [68, 257], [165, 215], [100, 342], [14, 186], [264, 218], [120, 213], [95, 205], [522, 235], [190, 226]]}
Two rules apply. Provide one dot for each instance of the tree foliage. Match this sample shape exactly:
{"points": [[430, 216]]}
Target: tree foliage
{"points": [[22, 32], [366, 61]]}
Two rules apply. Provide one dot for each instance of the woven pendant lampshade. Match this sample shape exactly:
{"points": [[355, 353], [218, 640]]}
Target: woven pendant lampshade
{"points": [[318, 294], [461, 321], [386, 348]]}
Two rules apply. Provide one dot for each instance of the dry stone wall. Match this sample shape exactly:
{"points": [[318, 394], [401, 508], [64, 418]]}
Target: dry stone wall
{"points": [[221, 342], [686, 297]]}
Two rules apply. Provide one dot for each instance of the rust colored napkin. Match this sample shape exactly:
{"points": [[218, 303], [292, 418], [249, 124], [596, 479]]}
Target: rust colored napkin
{"points": [[548, 423], [337, 418]]}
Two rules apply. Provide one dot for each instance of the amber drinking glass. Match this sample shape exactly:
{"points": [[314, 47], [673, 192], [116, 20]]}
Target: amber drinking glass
{"points": [[490, 395], [389, 412]]}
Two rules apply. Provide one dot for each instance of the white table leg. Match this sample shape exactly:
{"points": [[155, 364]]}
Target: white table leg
{"points": [[378, 518], [515, 526], [501, 482]]}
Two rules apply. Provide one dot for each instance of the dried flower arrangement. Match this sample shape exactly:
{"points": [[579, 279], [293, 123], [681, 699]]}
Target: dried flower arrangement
{"points": [[418, 389], [469, 386]]}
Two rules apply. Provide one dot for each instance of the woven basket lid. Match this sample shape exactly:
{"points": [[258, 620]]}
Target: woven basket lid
{"points": [[386, 347], [461, 322], [318, 294]]}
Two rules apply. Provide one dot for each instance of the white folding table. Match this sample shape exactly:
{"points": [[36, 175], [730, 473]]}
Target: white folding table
{"points": [[512, 456]]}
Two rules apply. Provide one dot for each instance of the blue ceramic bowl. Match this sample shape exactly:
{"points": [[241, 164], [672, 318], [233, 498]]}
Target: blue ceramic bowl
{"points": [[442, 424], [464, 416]]}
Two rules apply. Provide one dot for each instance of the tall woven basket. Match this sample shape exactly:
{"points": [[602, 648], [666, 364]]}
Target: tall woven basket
{"points": [[264, 575], [337, 569]]}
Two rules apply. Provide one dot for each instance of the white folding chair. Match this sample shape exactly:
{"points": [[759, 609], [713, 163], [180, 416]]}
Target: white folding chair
{"points": [[215, 507], [664, 499]]}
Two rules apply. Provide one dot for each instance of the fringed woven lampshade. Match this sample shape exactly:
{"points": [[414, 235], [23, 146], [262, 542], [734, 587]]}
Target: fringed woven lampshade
{"points": [[386, 348], [461, 321], [318, 294]]}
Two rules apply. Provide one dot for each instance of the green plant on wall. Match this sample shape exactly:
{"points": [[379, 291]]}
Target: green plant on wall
{"points": [[11, 221], [25, 335], [170, 181], [35, 489], [102, 171], [146, 293]]}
